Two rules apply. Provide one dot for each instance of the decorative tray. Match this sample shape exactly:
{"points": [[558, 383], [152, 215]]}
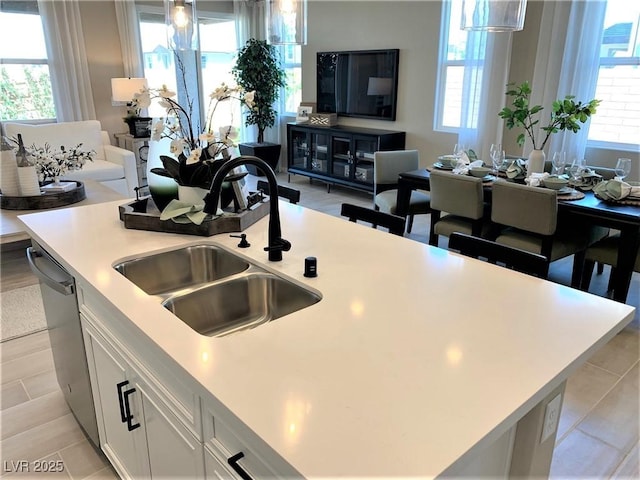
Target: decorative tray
{"points": [[143, 214], [45, 200]]}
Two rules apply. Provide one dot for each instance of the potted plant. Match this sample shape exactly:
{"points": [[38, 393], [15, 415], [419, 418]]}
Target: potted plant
{"points": [[257, 69], [565, 115]]}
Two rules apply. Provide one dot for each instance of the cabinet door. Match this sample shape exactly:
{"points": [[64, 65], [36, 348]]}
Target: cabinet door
{"points": [[173, 451], [341, 156], [299, 149], [319, 152], [364, 148], [125, 449]]}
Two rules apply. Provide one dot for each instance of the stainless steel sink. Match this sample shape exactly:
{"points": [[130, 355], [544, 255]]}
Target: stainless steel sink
{"points": [[243, 302], [213, 290], [186, 267]]}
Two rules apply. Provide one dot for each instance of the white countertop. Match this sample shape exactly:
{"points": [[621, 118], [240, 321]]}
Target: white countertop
{"points": [[414, 358]]}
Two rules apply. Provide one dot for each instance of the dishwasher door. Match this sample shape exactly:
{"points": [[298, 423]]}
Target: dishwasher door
{"points": [[63, 321]]}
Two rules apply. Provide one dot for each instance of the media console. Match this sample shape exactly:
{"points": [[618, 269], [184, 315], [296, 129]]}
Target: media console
{"points": [[338, 155]]}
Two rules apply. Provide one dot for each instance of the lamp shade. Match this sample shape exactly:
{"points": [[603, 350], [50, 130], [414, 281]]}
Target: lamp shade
{"points": [[287, 22], [123, 89], [493, 15], [181, 18]]}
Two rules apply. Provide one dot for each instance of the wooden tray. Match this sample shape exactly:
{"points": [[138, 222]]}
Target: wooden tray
{"points": [[144, 215], [46, 200]]}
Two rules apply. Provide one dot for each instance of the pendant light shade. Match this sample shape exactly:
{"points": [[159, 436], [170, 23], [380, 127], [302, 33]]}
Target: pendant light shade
{"points": [[287, 22], [493, 15], [181, 20]]}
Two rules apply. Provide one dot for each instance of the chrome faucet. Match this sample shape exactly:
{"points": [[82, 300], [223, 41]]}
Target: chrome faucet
{"points": [[277, 244]]}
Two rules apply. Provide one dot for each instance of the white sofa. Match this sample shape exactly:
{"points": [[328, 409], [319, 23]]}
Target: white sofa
{"points": [[112, 166]]}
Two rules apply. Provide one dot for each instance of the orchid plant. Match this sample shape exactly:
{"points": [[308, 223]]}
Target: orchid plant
{"points": [[51, 164], [197, 149]]}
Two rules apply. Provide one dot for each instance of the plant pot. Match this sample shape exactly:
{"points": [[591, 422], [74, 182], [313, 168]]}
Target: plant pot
{"points": [[269, 152], [139, 127]]}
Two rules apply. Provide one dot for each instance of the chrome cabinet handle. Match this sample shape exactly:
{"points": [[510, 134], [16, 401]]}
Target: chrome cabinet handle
{"points": [[233, 461]]}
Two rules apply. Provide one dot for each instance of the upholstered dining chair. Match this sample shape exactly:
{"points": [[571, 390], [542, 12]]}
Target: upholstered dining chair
{"points": [[604, 252], [461, 197], [529, 217], [355, 213], [387, 165], [503, 255]]}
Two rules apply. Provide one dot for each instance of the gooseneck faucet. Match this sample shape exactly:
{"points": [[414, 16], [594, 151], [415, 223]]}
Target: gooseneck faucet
{"points": [[277, 244]]}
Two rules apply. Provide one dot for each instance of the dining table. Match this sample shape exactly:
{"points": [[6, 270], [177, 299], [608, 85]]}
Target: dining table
{"points": [[621, 216]]}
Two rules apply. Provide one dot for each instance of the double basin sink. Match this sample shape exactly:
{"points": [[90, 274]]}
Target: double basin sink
{"points": [[213, 290]]}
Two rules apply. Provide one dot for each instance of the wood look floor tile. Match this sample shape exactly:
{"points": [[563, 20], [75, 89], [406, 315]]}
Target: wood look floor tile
{"points": [[105, 474], [630, 467], [32, 414], [12, 394], [620, 353], [82, 460], [41, 384], [43, 440], [584, 390], [580, 456], [26, 366], [615, 419], [19, 347]]}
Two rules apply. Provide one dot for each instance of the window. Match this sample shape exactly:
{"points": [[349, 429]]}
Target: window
{"points": [[25, 83], [617, 122], [290, 98], [460, 67], [217, 55]]}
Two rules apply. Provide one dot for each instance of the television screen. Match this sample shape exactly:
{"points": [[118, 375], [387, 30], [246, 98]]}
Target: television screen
{"points": [[358, 83]]}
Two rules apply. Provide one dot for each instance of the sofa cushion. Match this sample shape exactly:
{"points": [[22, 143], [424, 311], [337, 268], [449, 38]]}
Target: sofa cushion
{"points": [[99, 170], [67, 134]]}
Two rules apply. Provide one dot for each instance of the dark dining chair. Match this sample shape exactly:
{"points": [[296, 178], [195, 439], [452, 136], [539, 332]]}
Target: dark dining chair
{"points": [[387, 166], [393, 223], [461, 197], [509, 257], [529, 220], [289, 193], [603, 252]]}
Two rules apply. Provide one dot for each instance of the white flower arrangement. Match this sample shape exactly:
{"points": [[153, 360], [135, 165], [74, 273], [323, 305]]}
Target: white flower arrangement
{"points": [[51, 164]]}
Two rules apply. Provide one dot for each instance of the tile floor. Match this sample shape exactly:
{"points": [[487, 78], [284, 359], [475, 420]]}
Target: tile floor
{"points": [[597, 435]]}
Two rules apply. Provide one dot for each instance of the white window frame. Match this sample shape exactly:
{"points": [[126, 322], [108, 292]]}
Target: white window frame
{"points": [[282, 111], [31, 61]]}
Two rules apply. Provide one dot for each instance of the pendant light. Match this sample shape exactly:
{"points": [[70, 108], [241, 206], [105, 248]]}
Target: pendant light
{"points": [[493, 15], [181, 20], [287, 22]]}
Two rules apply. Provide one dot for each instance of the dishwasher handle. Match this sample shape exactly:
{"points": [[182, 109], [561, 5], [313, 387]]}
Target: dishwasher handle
{"points": [[64, 287]]}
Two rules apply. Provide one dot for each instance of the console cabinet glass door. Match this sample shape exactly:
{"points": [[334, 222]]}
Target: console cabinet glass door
{"points": [[319, 152], [300, 149], [341, 157], [310, 151], [363, 160]]}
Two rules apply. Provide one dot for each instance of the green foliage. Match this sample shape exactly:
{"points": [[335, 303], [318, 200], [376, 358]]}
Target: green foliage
{"points": [[258, 69], [31, 99], [566, 114]]}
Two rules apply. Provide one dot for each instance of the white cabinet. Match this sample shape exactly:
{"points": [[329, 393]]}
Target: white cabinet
{"points": [[183, 432], [138, 432]]}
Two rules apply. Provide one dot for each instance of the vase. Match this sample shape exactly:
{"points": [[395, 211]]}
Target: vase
{"points": [[162, 189], [535, 162], [192, 195]]}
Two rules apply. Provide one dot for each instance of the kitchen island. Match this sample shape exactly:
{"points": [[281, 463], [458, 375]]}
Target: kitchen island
{"points": [[417, 362]]}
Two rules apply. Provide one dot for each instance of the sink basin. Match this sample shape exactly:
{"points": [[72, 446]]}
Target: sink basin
{"points": [[239, 303], [186, 267]]}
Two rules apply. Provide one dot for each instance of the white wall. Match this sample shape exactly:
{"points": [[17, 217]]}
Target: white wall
{"points": [[409, 26]]}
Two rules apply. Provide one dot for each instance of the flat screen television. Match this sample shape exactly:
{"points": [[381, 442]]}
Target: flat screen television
{"points": [[361, 83]]}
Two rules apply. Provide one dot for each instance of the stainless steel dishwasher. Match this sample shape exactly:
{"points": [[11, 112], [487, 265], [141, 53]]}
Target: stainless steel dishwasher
{"points": [[63, 321]]}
